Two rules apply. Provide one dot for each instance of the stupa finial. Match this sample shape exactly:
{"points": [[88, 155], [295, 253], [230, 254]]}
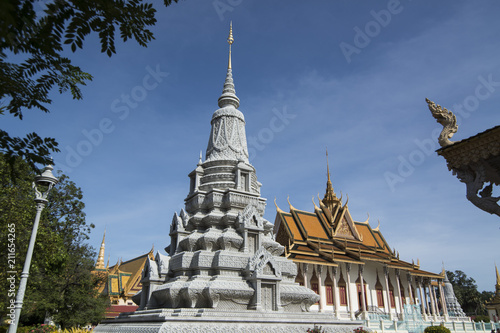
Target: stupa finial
{"points": [[228, 96], [230, 41], [327, 165], [100, 257], [498, 275], [330, 197]]}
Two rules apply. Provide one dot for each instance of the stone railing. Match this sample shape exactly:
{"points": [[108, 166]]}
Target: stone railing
{"points": [[454, 326]]}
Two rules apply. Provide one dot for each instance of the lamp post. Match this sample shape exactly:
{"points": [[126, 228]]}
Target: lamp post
{"points": [[42, 182]]}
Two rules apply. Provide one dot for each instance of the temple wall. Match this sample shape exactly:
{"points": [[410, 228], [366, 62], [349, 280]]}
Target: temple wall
{"points": [[324, 279]]}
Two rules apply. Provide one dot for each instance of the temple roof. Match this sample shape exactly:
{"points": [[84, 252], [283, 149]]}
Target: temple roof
{"points": [[494, 301], [124, 278], [133, 268], [484, 145], [329, 235], [308, 238]]}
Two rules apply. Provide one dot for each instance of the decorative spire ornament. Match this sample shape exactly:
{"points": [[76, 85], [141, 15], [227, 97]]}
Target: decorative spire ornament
{"points": [[100, 257], [230, 41], [228, 139], [228, 96], [330, 198], [498, 275]]}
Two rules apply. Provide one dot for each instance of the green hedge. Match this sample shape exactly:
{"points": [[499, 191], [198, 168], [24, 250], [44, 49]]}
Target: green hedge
{"points": [[436, 329]]}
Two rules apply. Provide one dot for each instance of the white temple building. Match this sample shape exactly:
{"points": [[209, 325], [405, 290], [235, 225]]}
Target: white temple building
{"points": [[353, 268]]}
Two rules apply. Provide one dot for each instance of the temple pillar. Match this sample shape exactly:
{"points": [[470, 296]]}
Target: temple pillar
{"points": [[362, 285], [422, 298], [400, 302], [410, 292], [436, 300], [321, 289], [386, 276], [336, 297], [427, 310], [433, 307], [349, 296]]}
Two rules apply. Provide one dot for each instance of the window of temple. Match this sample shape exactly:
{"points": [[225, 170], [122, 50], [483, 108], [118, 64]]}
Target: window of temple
{"points": [[329, 290], [380, 298], [329, 294], [342, 290], [315, 283], [380, 293], [268, 297], [314, 287], [391, 295], [403, 294], [253, 242], [245, 181]]}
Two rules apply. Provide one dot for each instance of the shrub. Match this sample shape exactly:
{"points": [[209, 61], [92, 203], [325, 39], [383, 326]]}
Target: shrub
{"points": [[75, 330], [361, 330], [39, 328], [315, 329], [486, 319], [437, 329]]}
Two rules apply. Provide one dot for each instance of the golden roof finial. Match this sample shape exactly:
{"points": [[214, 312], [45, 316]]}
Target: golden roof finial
{"points": [[291, 207], [315, 207], [346, 200], [498, 275], [367, 219], [279, 210], [100, 257], [230, 41], [327, 165], [330, 198]]}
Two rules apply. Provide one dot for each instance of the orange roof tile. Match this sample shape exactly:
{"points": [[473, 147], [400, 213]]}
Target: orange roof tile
{"points": [[381, 241], [367, 235], [290, 222], [312, 224]]}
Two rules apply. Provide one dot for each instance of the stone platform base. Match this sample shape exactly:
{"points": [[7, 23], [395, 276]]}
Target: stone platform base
{"points": [[212, 321]]}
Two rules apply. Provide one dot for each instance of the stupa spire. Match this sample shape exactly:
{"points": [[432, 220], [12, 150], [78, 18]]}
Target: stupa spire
{"points": [[100, 257], [228, 96], [330, 197], [228, 140], [230, 41], [498, 275]]}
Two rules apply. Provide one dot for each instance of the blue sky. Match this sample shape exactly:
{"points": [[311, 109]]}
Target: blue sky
{"points": [[307, 79]]}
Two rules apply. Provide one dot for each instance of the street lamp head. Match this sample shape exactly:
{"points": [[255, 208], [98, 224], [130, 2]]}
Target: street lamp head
{"points": [[46, 181], [46, 178]]}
